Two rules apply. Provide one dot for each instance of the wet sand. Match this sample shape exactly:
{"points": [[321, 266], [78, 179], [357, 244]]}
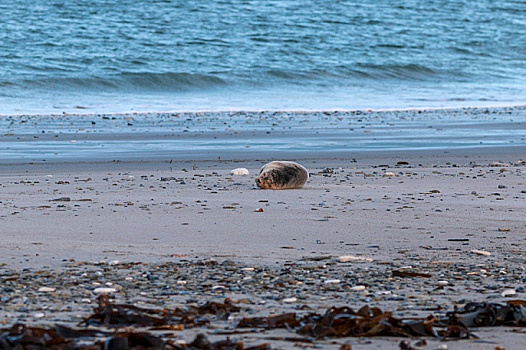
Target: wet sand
{"points": [[457, 215]]}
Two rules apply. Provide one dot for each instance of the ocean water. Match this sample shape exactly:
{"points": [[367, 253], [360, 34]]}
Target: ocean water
{"points": [[103, 56]]}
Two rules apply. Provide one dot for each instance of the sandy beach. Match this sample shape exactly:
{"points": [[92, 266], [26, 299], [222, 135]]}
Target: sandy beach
{"points": [[457, 215]]}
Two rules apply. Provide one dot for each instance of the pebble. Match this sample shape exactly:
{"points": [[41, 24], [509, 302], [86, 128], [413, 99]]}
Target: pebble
{"points": [[240, 171], [389, 174], [442, 283], [46, 289]]}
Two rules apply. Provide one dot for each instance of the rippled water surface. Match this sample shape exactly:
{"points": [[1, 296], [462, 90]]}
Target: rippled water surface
{"points": [[116, 56]]}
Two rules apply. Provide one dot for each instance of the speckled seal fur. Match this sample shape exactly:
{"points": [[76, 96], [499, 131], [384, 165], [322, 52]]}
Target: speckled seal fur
{"points": [[282, 175]]}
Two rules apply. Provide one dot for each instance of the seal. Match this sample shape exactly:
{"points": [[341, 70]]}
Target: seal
{"points": [[282, 175]]}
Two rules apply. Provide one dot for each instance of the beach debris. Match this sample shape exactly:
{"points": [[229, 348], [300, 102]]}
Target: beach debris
{"points": [[20, 336], [61, 199], [240, 171], [357, 288], [402, 273], [122, 315], [270, 322], [510, 292], [372, 321], [290, 300], [259, 210], [498, 164], [332, 281], [354, 258], [406, 345], [476, 314], [480, 252]]}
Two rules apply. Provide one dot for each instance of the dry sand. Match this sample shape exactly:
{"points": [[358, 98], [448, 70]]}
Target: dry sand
{"points": [[429, 211]]}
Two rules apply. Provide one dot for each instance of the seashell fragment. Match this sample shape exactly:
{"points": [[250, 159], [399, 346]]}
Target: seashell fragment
{"points": [[480, 252], [508, 293], [334, 281], [358, 288], [103, 290], [240, 171], [349, 258]]}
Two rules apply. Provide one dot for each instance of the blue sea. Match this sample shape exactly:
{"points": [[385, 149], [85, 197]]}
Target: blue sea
{"points": [[103, 56]]}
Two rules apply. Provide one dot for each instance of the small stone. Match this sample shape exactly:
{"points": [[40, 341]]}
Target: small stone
{"points": [[61, 199], [46, 289], [240, 171], [39, 315], [259, 210], [442, 283], [389, 174], [502, 229]]}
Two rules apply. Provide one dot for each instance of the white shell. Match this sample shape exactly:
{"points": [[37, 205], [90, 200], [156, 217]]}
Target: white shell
{"points": [[348, 258], [104, 290], [480, 252], [240, 171], [509, 293], [335, 281], [358, 288]]}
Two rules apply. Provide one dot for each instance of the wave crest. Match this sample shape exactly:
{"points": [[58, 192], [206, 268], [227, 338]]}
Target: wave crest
{"points": [[133, 81]]}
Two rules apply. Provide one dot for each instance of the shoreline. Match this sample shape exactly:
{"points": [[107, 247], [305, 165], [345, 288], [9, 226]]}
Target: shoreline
{"points": [[246, 135], [276, 110]]}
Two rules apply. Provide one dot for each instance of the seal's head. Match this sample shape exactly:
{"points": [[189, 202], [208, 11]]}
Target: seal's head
{"points": [[264, 181]]}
